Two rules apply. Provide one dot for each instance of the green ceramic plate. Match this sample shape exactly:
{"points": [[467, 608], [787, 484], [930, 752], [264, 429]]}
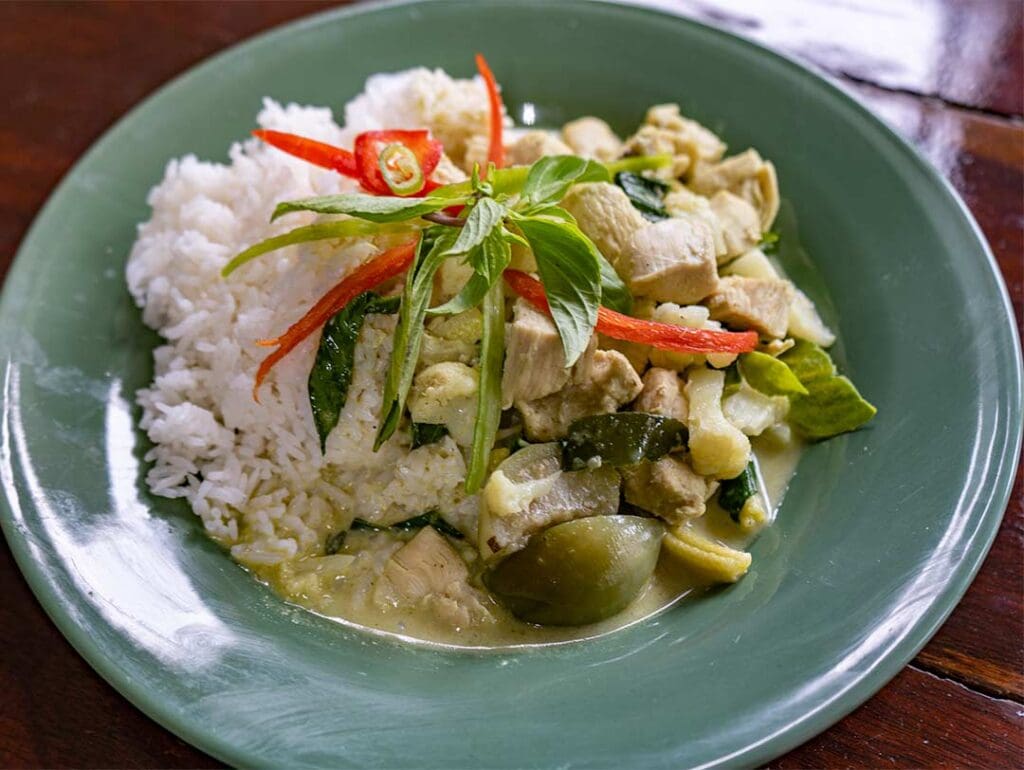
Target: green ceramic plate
{"points": [[878, 538]]}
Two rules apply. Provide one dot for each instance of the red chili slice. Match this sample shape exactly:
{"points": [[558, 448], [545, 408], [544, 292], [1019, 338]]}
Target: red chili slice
{"points": [[370, 144], [367, 276], [496, 150], [317, 153], [679, 339]]}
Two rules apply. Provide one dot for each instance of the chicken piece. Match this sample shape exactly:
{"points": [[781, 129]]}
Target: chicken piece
{"points": [[428, 570], [752, 303], [804, 320], [635, 353], [671, 261], [534, 358], [688, 205], [709, 178], [717, 447], [603, 385], [746, 175], [668, 132], [605, 216], [741, 225], [662, 394], [534, 145], [668, 488], [446, 394], [706, 145], [591, 137], [447, 172]]}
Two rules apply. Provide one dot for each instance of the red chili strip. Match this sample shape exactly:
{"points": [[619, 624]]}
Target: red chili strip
{"points": [[367, 276], [496, 150], [680, 339], [317, 153]]}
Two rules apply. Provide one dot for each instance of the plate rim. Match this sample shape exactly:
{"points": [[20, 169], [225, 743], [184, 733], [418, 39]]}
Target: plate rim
{"points": [[988, 512]]}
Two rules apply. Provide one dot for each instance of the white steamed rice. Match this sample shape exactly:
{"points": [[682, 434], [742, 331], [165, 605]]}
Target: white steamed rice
{"points": [[254, 473]]}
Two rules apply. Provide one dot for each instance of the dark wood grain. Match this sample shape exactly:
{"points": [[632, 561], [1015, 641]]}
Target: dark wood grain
{"points": [[919, 720], [71, 69]]}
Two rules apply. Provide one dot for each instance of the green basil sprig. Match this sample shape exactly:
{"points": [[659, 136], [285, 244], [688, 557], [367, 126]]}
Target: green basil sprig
{"points": [[373, 208], [515, 205], [435, 247], [488, 404], [320, 231], [570, 270], [486, 250], [550, 178]]}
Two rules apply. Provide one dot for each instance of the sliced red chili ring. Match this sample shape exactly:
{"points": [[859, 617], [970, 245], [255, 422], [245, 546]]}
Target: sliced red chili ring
{"points": [[400, 169], [370, 144]]}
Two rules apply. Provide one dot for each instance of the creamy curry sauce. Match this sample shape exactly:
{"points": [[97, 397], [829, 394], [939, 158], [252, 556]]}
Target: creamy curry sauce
{"points": [[347, 595]]}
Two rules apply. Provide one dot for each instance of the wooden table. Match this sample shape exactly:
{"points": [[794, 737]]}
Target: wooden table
{"points": [[946, 73]]}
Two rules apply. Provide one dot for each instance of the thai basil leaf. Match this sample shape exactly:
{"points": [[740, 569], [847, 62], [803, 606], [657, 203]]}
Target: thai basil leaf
{"points": [[483, 218], [551, 177], [488, 409], [770, 375], [734, 493], [646, 195], [488, 260], [331, 375], [620, 439], [428, 519], [424, 433], [345, 228], [405, 350], [614, 293], [570, 270], [832, 404], [373, 208]]}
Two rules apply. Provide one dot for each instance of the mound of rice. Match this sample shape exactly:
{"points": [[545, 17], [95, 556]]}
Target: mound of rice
{"points": [[254, 473]]}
